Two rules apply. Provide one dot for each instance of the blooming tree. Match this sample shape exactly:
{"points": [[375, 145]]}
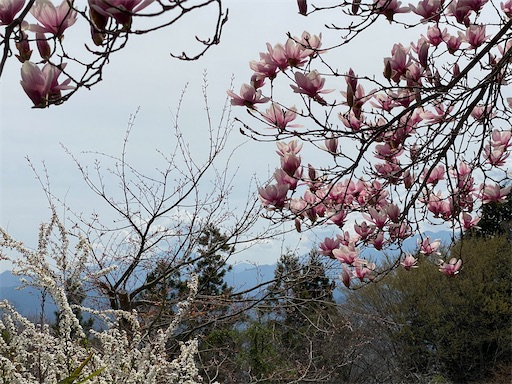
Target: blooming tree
{"points": [[34, 353], [29, 24], [155, 230], [428, 141]]}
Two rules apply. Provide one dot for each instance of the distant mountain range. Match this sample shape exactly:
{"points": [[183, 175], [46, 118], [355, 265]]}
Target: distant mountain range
{"points": [[243, 276]]}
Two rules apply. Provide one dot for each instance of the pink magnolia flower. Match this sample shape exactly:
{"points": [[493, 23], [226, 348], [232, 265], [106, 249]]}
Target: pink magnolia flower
{"points": [[290, 163], [397, 63], [292, 147], [345, 238], [363, 269], [438, 206], [120, 10], [409, 262], [501, 138], [475, 36], [451, 268], [389, 8], [282, 177], [280, 117], [303, 7], [441, 114], [289, 55], [315, 200], [452, 43], [384, 102], [399, 231], [257, 81], [494, 193], [346, 254], [331, 145], [474, 5], [297, 206], [42, 85], [42, 46], [376, 194], [345, 276], [264, 69], [427, 247], [377, 217], [54, 20], [328, 245], [436, 174], [408, 178], [496, 152], [364, 230], [311, 43], [273, 195], [387, 151], [9, 9], [460, 9], [393, 212], [23, 47], [429, 9], [249, 96], [435, 36], [338, 216], [506, 7], [496, 156], [378, 241], [390, 170], [310, 84], [351, 121], [481, 112], [468, 221]]}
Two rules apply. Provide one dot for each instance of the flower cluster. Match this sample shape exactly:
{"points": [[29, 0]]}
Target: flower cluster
{"points": [[37, 353], [430, 142]]}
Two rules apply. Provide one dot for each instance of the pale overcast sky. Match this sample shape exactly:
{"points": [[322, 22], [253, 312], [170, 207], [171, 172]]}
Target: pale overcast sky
{"points": [[144, 76]]}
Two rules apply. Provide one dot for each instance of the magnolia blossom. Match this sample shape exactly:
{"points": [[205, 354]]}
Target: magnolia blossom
{"points": [[328, 245], [331, 145], [451, 268], [310, 84], [467, 221], [475, 35], [248, 97], [346, 254], [280, 117], [54, 20], [289, 55], [460, 9], [311, 42], [396, 65], [364, 269], [389, 8], [494, 193], [427, 247], [9, 9], [273, 195], [435, 175], [507, 8], [409, 262], [346, 276], [119, 10], [435, 36], [42, 85], [429, 9], [292, 147]]}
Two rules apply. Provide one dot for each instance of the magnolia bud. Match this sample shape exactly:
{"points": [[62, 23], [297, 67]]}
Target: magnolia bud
{"points": [[303, 7], [42, 46], [23, 47]]}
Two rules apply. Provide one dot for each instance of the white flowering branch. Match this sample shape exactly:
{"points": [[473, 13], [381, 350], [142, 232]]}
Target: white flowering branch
{"points": [[38, 353]]}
